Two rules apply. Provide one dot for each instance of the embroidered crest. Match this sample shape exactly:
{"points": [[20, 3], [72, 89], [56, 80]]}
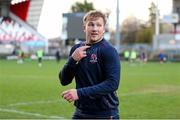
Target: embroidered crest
{"points": [[93, 58]]}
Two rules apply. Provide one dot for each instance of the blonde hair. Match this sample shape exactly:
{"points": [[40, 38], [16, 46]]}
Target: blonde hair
{"points": [[93, 14]]}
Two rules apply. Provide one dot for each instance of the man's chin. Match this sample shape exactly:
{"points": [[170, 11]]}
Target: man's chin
{"points": [[94, 40]]}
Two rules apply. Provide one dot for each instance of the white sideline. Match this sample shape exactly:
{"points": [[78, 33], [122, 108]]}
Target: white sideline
{"points": [[29, 113], [35, 102]]}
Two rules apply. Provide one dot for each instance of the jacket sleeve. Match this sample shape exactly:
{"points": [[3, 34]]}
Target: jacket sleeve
{"points": [[111, 69], [67, 73]]}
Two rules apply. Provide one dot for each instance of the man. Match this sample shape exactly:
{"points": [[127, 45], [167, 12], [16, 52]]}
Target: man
{"points": [[40, 56], [58, 56], [95, 65], [126, 55]]}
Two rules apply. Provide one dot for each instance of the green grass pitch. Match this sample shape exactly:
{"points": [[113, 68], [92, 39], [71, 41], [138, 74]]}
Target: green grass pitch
{"points": [[147, 91]]}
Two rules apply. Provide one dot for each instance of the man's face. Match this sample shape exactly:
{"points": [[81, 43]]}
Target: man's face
{"points": [[94, 29]]}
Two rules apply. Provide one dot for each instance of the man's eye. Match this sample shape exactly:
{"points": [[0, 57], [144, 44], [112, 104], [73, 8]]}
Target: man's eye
{"points": [[90, 24]]}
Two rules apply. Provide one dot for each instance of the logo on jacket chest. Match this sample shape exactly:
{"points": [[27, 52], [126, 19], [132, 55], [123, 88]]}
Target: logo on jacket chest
{"points": [[93, 58]]}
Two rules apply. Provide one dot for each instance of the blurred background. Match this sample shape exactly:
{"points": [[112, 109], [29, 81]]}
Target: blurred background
{"points": [[151, 26]]}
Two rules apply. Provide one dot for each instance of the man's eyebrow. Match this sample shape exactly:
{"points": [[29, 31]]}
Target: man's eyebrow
{"points": [[90, 21]]}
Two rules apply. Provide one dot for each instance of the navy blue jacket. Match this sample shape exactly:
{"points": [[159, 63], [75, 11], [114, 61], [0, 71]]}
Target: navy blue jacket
{"points": [[97, 77]]}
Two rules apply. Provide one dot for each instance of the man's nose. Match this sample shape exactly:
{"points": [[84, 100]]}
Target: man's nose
{"points": [[95, 28]]}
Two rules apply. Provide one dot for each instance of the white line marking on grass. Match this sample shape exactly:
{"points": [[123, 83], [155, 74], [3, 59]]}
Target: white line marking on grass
{"points": [[29, 113], [29, 76], [35, 102]]}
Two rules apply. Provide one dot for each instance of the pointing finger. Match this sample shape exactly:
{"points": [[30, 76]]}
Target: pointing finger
{"points": [[84, 47]]}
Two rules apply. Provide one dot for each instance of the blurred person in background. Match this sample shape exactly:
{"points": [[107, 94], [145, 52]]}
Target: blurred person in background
{"points": [[40, 54], [133, 55], [126, 55], [143, 57], [20, 55], [95, 64], [58, 56], [162, 57]]}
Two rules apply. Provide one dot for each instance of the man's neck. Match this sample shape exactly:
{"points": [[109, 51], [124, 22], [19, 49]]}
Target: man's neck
{"points": [[87, 42]]}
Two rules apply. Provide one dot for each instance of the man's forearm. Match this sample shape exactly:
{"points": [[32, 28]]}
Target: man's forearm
{"points": [[67, 73]]}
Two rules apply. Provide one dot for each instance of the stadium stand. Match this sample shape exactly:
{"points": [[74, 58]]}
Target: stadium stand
{"points": [[12, 31], [16, 32]]}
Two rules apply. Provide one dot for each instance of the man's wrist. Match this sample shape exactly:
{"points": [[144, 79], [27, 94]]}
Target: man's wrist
{"points": [[71, 61], [79, 93]]}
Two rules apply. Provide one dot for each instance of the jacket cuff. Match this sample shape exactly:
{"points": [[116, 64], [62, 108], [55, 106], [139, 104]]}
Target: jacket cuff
{"points": [[79, 93]]}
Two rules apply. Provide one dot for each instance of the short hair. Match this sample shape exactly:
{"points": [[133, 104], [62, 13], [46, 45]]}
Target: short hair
{"points": [[94, 14]]}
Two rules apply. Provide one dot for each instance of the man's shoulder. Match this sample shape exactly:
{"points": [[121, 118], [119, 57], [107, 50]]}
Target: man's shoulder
{"points": [[106, 45]]}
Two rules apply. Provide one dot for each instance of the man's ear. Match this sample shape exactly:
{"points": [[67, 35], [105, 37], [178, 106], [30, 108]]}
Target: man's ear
{"points": [[104, 31], [84, 28]]}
